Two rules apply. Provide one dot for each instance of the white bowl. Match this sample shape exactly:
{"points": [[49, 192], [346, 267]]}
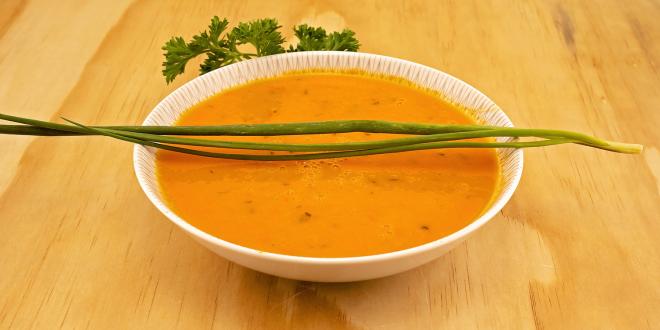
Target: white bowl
{"points": [[328, 269]]}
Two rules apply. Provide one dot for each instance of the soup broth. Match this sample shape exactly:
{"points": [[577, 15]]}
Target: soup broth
{"points": [[329, 208]]}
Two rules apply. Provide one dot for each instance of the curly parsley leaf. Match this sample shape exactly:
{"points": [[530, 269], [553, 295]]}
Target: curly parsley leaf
{"points": [[344, 41], [262, 34], [177, 55], [311, 38]]}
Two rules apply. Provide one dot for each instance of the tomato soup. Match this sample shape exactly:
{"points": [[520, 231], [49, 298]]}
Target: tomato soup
{"points": [[329, 208]]}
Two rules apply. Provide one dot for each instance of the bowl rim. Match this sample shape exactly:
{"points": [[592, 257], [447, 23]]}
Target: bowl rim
{"points": [[454, 237]]}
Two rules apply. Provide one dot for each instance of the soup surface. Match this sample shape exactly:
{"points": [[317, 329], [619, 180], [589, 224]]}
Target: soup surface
{"points": [[329, 208]]}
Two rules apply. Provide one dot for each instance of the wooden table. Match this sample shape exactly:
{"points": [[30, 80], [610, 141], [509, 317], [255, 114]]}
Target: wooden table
{"points": [[577, 247]]}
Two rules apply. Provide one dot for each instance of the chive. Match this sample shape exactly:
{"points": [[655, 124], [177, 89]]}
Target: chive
{"points": [[336, 154], [429, 136], [506, 132], [302, 128]]}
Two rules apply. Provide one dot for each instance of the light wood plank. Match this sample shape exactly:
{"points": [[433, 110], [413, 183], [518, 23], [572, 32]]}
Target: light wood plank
{"points": [[81, 247]]}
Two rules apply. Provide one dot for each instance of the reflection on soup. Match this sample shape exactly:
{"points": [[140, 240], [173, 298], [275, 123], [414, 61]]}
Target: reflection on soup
{"points": [[329, 208]]}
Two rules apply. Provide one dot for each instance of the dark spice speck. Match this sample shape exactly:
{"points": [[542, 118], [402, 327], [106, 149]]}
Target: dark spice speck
{"points": [[305, 217]]}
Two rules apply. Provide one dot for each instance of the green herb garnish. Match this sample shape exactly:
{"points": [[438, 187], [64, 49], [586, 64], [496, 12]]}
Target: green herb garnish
{"points": [[222, 48], [428, 136]]}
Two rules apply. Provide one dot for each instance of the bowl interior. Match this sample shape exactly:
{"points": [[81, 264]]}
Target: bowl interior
{"points": [[199, 89]]}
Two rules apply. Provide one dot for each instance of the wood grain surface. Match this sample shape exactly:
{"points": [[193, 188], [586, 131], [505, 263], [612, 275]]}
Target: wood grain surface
{"points": [[576, 248]]}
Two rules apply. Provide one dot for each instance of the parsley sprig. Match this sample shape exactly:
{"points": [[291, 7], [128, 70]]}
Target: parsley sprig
{"points": [[221, 47]]}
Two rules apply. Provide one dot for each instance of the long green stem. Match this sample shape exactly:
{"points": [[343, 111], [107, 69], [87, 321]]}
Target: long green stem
{"points": [[430, 133], [306, 147], [335, 154], [352, 145], [366, 152], [301, 128]]}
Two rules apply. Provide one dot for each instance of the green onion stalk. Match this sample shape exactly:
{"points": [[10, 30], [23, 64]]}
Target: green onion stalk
{"points": [[419, 136]]}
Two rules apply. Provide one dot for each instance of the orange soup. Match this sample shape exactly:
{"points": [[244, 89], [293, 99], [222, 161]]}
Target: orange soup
{"points": [[329, 208]]}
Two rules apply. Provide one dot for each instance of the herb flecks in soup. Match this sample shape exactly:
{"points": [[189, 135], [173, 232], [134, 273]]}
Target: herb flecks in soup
{"points": [[329, 208]]}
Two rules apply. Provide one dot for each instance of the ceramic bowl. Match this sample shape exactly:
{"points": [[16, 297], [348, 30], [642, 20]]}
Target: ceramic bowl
{"points": [[328, 269]]}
